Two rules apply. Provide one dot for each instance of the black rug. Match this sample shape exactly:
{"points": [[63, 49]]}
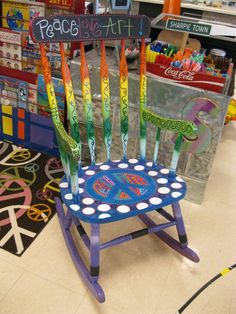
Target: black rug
{"points": [[28, 185]]}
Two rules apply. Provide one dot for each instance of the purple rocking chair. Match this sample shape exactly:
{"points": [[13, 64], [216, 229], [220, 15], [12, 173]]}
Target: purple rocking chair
{"points": [[115, 189]]}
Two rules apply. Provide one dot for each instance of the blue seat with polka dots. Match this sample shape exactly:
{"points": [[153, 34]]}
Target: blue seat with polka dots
{"points": [[120, 189]]}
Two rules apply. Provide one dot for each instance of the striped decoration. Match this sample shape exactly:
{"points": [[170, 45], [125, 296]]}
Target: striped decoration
{"points": [[87, 98], [143, 99], [123, 99], [69, 149], [70, 98], [105, 92]]}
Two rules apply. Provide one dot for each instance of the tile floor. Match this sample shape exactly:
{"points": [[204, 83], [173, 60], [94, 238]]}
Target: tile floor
{"points": [[141, 277]]}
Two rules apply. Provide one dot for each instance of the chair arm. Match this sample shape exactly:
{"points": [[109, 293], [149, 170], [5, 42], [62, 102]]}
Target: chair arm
{"points": [[67, 143], [184, 127]]}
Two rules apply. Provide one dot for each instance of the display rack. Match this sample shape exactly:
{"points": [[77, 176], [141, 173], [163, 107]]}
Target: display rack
{"points": [[24, 112], [186, 25]]}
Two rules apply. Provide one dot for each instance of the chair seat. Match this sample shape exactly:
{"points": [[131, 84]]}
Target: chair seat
{"points": [[120, 189]]}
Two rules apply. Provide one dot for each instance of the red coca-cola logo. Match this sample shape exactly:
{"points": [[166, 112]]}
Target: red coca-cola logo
{"points": [[180, 75]]}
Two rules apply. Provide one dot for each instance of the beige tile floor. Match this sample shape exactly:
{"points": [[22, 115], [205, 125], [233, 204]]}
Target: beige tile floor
{"points": [[142, 276]]}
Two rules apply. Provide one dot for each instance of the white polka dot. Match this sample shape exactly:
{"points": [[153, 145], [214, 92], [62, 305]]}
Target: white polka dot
{"points": [[117, 160], [99, 164], [81, 190], [81, 180], [104, 207], [69, 196], [85, 168], [155, 200], [163, 190], [162, 181], [179, 179], [141, 206], [164, 171], [88, 201], [89, 172], [133, 161], [123, 165], [152, 173], [123, 209], [75, 207], [149, 163], [176, 185], [88, 211], [104, 167], [102, 216], [176, 194], [139, 167], [64, 184]]}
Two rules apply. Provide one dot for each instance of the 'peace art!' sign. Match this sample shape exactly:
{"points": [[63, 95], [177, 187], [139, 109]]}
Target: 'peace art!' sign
{"points": [[64, 28]]}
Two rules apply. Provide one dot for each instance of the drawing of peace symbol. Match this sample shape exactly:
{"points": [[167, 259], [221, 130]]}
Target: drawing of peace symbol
{"points": [[39, 212], [54, 169], [15, 173], [25, 194], [120, 187], [20, 157]]}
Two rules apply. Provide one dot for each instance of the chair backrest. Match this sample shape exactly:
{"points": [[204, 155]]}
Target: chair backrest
{"points": [[100, 28]]}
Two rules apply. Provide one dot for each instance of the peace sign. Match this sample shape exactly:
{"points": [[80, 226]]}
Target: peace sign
{"points": [[39, 212], [44, 194], [20, 155], [54, 169], [117, 186], [15, 173]]}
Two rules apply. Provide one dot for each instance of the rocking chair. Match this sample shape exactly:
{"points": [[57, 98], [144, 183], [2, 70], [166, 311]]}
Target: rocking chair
{"points": [[115, 189]]}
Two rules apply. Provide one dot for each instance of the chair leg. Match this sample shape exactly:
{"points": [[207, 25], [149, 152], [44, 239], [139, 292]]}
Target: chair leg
{"points": [[180, 225], [65, 222], [94, 251], [169, 240]]}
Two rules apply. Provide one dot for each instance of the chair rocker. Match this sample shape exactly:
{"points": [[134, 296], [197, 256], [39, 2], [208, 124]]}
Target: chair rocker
{"points": [[115, 189]]}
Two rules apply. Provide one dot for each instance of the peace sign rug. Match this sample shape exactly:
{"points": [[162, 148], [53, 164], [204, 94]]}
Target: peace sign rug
{"points": [[28, 184]]}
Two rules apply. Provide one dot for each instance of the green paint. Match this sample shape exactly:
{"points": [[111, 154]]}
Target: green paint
{"points": [[183, 127], [156, 149]]}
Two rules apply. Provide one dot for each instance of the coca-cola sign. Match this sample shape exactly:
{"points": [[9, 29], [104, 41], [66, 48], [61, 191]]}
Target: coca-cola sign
{"points": [[179, 75]]}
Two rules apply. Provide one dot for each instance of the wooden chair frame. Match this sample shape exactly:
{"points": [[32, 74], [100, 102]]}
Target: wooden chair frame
{"points": [[70, 151]]}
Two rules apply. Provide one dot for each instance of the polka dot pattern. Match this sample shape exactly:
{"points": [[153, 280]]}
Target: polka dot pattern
{"points": [[179, 179], [123, 209], [102, 216], [89, 172], [133, 161], [176, 185], [141, 206], [123, 165], [155, 200], [104, 207], [164, 190], [75, 207], [152, 173], [87, 201], [167, 189], [162, 181], [88, 211], [69, 196], [139, 167], [164, 171], [176, 194], [104, 167], [64, 185]]}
